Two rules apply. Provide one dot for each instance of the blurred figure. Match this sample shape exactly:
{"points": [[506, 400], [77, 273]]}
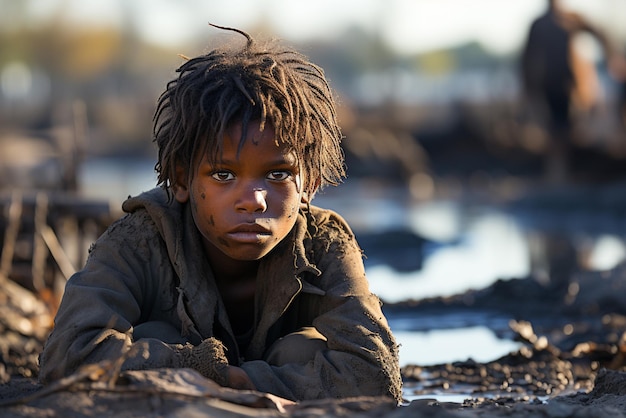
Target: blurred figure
{"points": [[558, 82]]}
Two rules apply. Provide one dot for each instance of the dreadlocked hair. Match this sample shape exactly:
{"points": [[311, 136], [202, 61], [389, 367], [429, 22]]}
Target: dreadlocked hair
{"points": [[265, 82]]}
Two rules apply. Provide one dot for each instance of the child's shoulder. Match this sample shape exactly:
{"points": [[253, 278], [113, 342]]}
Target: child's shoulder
{"points": [[132, 227], [142, 218], [329, 221]]}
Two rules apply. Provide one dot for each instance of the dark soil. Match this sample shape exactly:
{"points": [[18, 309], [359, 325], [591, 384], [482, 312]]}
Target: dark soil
{"points": [[572, 363]]}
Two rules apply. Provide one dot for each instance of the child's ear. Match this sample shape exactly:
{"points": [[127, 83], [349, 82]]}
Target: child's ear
{"points": [[180, 188]]}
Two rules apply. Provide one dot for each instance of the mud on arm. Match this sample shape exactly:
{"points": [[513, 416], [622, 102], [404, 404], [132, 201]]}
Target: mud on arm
{"points": [[115, 290]]}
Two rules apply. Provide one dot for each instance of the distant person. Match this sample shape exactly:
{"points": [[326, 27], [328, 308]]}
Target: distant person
{"points": [[227, 268], [557, 81]]}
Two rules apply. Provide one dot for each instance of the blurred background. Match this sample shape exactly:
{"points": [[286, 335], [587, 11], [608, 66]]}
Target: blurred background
{"points": [[450, 185]]}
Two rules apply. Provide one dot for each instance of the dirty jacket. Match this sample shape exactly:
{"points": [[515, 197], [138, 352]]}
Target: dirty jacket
{"points": [[150, 266]]}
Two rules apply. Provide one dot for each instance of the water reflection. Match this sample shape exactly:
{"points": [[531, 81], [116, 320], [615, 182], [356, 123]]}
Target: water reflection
{"points": [[442, 346], [486, 247]]}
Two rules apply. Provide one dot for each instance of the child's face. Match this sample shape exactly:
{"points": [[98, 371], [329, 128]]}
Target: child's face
{"points": [[248, 202]]}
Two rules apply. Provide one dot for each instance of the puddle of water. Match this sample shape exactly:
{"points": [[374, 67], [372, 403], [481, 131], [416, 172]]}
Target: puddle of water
{"points": [[448, 345], [490, 246], [436, 347], [412, 392], [438, 396]]}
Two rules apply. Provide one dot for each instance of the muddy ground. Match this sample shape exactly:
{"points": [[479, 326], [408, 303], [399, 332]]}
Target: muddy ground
{"points": [[572, 363]]}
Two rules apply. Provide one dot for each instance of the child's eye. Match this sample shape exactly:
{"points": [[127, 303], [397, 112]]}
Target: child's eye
{"points": [[223, 175], [279, 175]]}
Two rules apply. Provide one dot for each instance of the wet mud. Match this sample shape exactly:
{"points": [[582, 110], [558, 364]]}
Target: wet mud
{"points": [[571, 362]]}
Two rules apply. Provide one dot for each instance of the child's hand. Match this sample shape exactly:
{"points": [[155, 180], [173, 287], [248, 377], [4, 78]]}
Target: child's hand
{"points": [[210, 360]]}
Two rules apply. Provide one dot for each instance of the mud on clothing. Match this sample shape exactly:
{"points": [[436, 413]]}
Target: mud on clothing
{"points": [[150, 266]]}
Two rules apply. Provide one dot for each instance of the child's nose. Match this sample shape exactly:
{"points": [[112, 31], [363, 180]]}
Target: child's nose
{"points": [[253, 200]]}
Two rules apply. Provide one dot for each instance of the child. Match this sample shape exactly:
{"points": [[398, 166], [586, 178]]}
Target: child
{"points": [[227, 268]]}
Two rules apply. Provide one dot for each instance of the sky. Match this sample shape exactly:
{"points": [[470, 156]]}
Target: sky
{"points": [[408, 26]]}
